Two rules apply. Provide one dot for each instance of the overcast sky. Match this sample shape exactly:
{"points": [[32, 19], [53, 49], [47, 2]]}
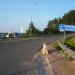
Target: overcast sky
{"points": [[17, 13]]}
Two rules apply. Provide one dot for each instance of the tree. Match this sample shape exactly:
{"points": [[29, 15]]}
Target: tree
{"points": [[69, 18], [52, 27], [32, 31]]}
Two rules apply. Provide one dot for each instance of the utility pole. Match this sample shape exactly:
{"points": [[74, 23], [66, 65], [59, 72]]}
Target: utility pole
{"points": [[31, 18], [64, 38], [30, 32]]}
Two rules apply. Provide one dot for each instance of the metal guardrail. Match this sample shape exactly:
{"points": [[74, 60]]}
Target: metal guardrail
{"points": [[67, 50]]}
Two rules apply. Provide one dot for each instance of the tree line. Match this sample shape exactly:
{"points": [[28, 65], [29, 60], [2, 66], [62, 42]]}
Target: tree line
{"points": [[53, 25]]}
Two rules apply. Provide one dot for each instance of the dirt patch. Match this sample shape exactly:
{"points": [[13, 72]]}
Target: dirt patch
{"points": [[61, 65]]}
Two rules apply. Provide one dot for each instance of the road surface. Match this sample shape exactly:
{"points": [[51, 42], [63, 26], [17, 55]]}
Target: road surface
{"points": [[16, 56]]}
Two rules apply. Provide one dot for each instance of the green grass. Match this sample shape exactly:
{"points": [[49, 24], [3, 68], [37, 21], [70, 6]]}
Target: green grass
{"points": [[55, 44], [70, 42]]}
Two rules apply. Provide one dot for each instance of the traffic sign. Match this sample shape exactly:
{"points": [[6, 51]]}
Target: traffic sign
{"points": [[61, 27], [64, 27]]}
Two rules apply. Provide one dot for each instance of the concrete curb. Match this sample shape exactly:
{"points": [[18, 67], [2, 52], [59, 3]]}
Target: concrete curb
{"points": [[67, 50]]}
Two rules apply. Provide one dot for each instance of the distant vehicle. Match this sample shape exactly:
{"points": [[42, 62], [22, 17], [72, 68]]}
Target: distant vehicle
{"points": [[2, 36], [13, 35], [18, 35], [10, 35]]}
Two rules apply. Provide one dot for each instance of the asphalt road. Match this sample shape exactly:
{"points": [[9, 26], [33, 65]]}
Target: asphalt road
{"points": [[16, 55]]}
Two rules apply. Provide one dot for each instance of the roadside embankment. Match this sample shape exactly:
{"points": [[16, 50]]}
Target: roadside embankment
{"points": [[61, 65]]}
